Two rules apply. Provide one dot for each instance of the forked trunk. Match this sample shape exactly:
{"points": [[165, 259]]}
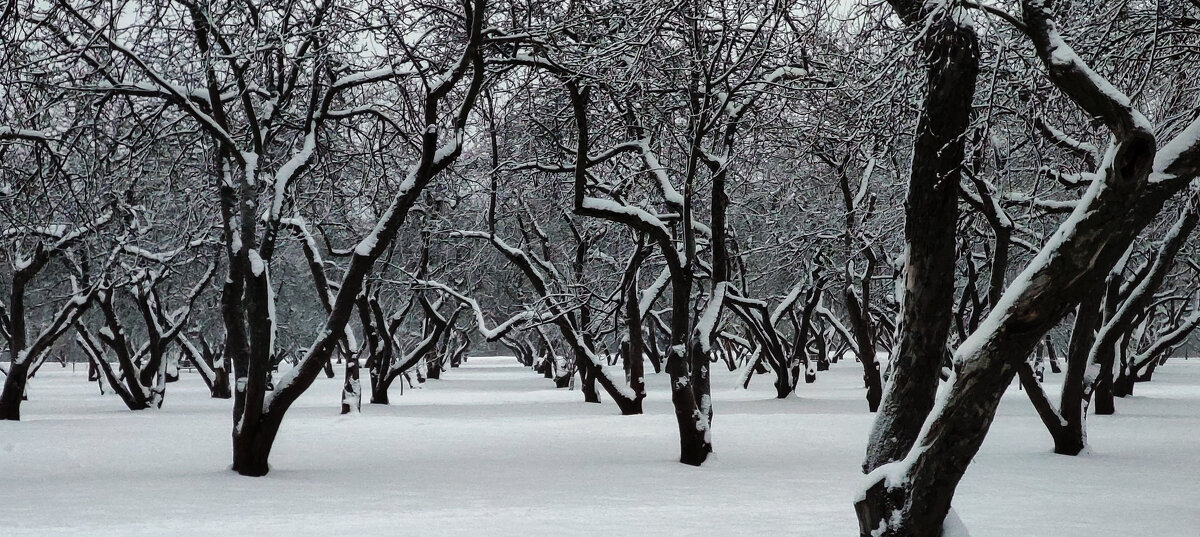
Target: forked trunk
{"points": [[252, 447], [587, 381]]}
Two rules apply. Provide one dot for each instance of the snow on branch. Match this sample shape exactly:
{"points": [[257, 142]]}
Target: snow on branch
{"points": [[781, 74], [522, 258], [286, 173], [490, 334], [367, 77], [655, 168], [707, 323], [1050, 206], [837, 325], [1076, 79], [63, 319], [787, 303], [1180, 158], [12, 133], [651, 293], [1170, 339], [1061, 139], [156, 257], [174, 91]]}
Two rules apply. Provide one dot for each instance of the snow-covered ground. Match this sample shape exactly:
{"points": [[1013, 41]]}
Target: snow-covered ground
{"points": [[495, 450]]}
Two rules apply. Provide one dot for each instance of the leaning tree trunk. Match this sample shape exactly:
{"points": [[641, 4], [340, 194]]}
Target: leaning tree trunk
{"points": [[912, 496], [951, 53], [931, 219]]}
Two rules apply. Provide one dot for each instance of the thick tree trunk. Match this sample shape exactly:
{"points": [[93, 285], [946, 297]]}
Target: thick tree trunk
{"points": [[694, 441], [861, 328], [931, 219], [563, 381], [220, 388], [951, 54], [252, 444], [587, 380], [433, 369], [1123, 383], [379, 391], [14, 390]]}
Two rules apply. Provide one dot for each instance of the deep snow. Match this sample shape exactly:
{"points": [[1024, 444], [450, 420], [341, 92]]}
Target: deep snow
{"points": [[494, 450]]}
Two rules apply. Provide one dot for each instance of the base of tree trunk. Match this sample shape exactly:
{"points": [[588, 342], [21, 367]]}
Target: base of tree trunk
{"points": [[693, 450], [630, 408], [220, 388], [1123, 385], [879, 515], [1104, 401], [251, 465], [1072, 445], [252, 449], [380, 397], [13, 392], [782, 389], [587, 384]]}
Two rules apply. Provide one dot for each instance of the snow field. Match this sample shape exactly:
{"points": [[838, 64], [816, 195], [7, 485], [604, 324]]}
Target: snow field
{"points": [[494, 450]]}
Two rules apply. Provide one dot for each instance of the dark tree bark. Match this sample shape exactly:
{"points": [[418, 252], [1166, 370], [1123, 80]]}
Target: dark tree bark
{"points": [[1052, 355], [951, 53], [257, 417], [22, 352], [1119, 203], [1083, 335], [351, 388]]}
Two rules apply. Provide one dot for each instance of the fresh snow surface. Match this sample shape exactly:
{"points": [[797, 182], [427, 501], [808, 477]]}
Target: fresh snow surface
{"points": [[494, 450]]}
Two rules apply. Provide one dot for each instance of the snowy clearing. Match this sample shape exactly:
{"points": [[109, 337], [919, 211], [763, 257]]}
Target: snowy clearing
{"points": [[493, 449]]}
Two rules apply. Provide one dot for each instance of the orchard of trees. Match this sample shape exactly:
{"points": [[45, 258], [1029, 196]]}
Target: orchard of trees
{"points": [[949, 195]]}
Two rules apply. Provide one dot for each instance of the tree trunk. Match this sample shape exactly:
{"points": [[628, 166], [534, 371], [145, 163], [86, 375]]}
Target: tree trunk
{"points": [[587, 381], [352, 388], [1103, 397], [14, 390], [220, 388], [433, 366], [1052, 355], [1066, 442], [861, 328], [252, 446], [1083, 334], [379, 392], [951, 56]]}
